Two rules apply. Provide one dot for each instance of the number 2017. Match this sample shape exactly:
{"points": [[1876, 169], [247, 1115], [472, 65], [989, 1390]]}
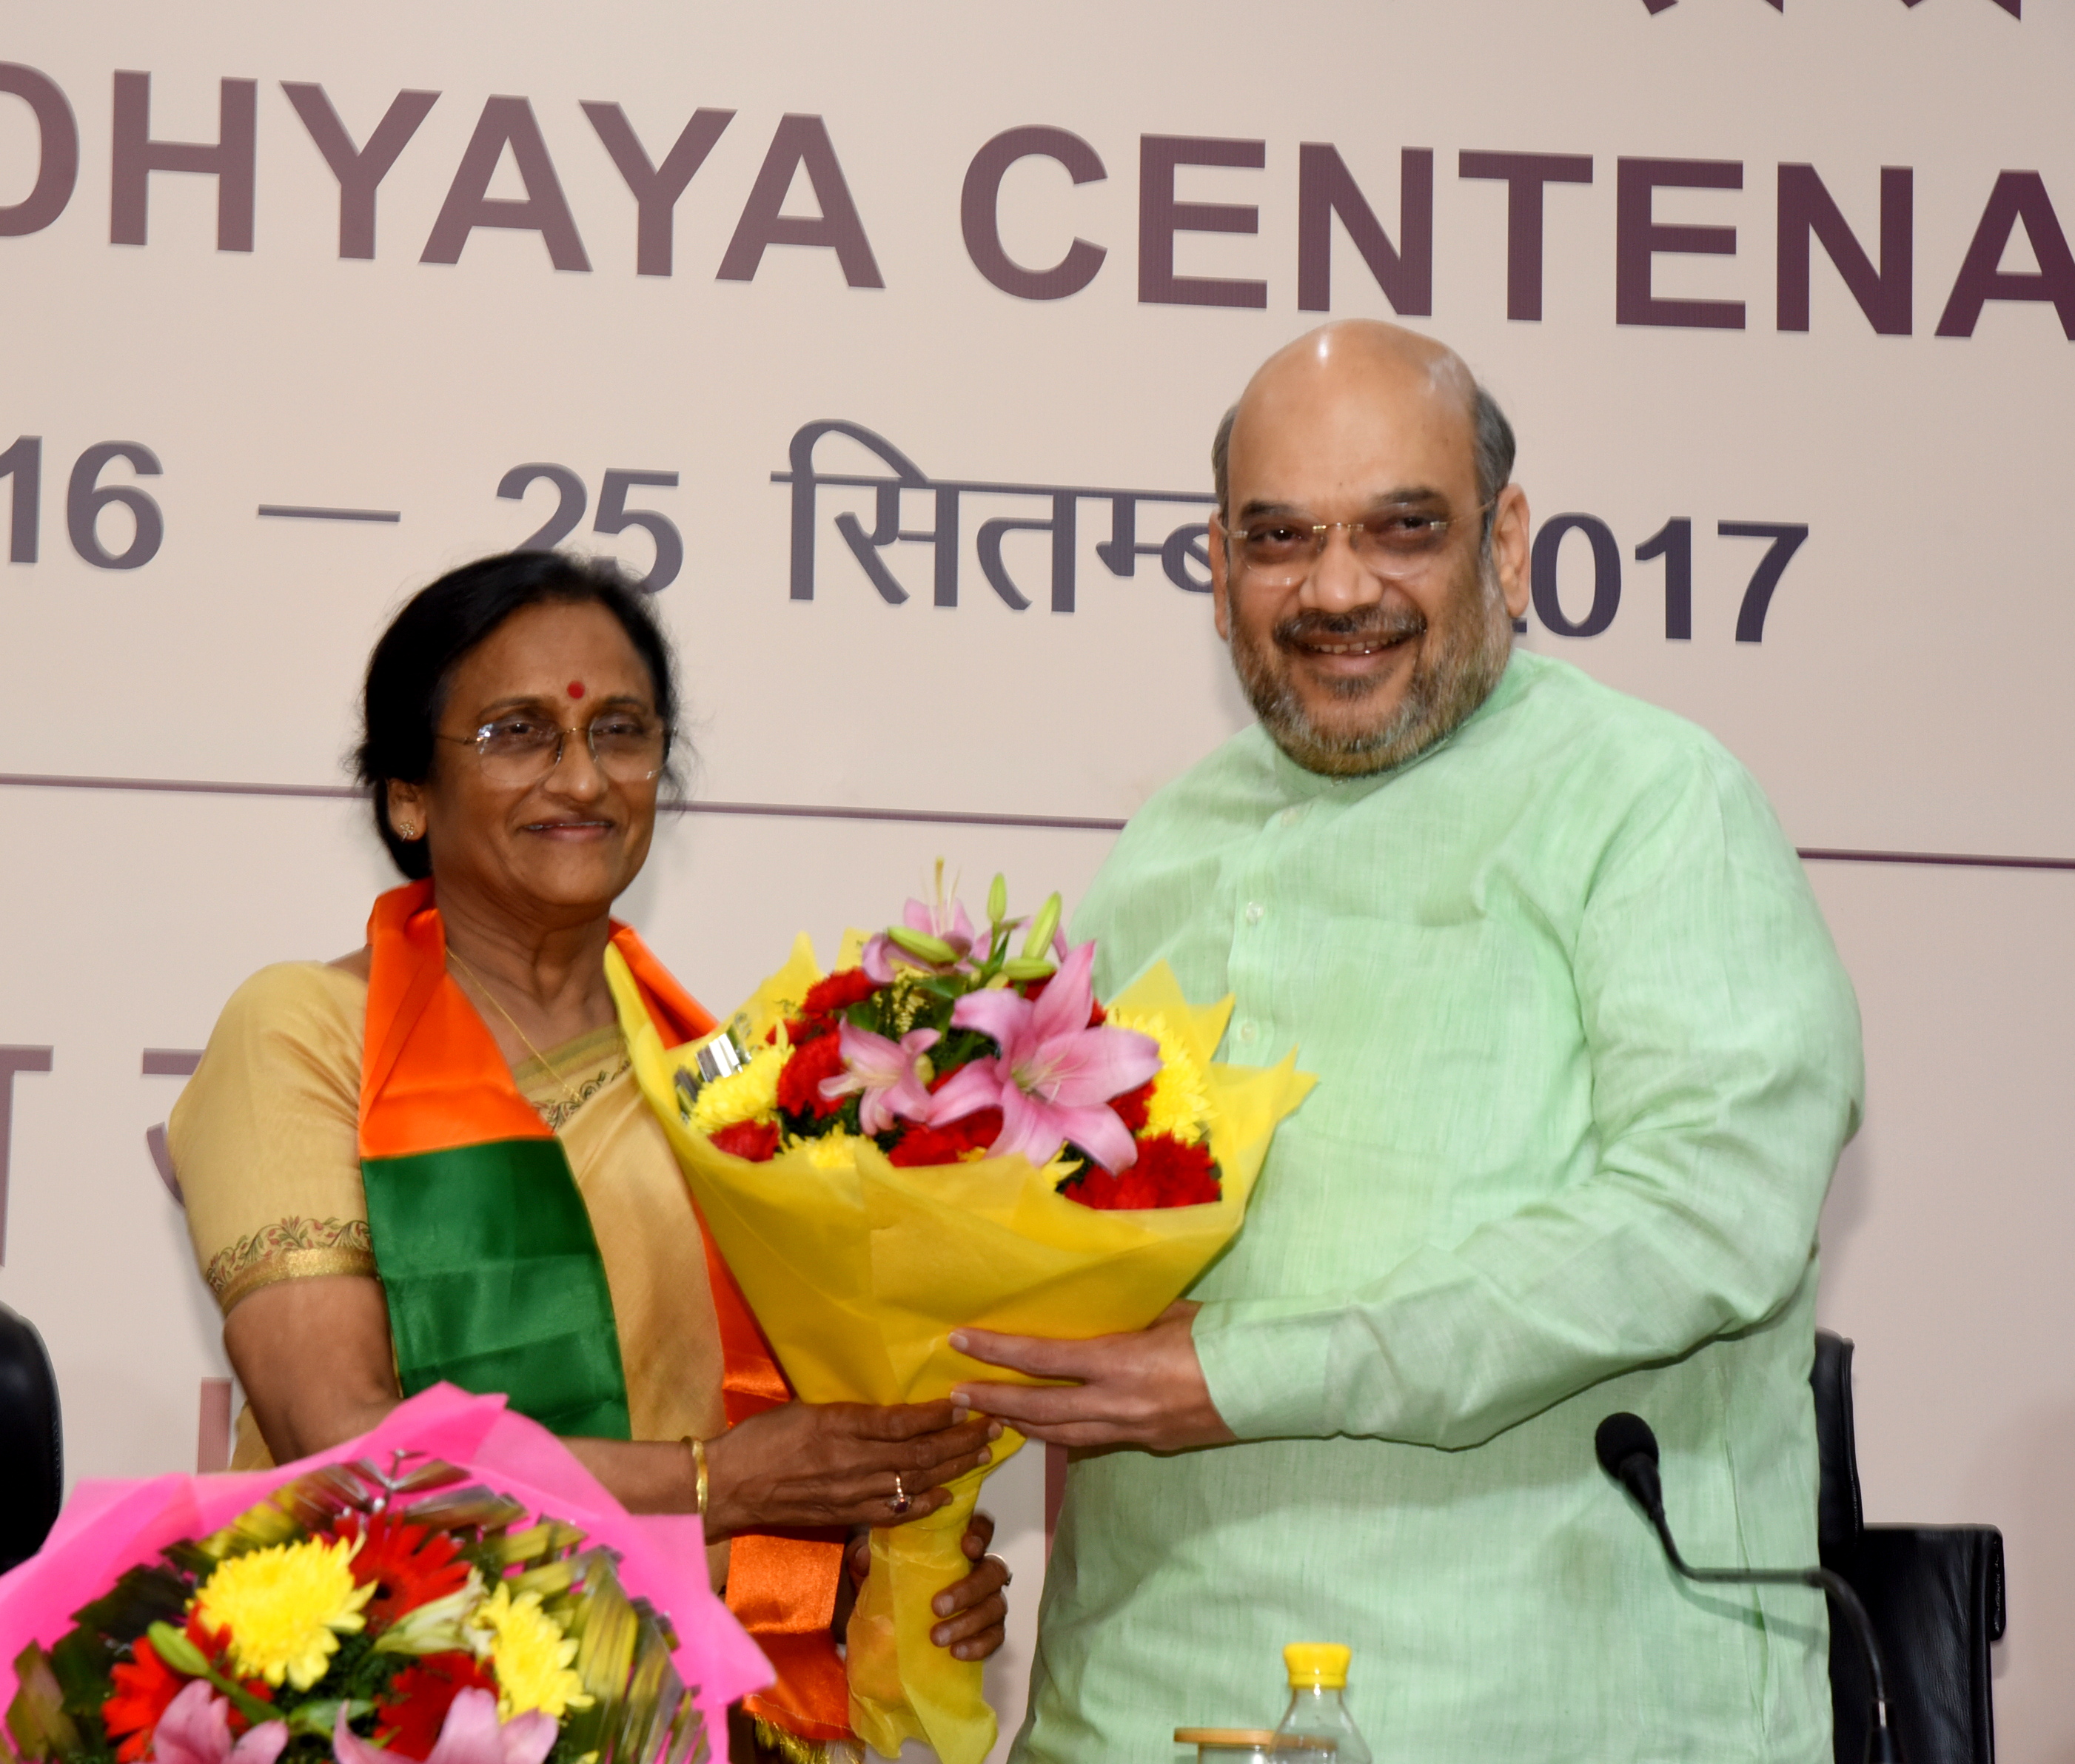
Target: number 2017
{"points": [[1674, 543]]}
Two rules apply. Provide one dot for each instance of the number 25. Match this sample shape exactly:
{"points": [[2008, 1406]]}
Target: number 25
{"points": [[614, 516]]}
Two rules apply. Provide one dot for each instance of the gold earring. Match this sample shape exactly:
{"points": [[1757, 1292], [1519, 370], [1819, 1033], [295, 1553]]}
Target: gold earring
{"points": [[408, 831]]}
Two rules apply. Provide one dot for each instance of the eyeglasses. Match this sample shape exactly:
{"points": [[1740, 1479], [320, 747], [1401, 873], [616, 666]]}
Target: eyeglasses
{"points": [[1279, 550], [524, 747]]}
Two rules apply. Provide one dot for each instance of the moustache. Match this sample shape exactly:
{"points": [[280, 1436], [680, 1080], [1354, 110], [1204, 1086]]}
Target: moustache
{"points": [[1387, 624]]}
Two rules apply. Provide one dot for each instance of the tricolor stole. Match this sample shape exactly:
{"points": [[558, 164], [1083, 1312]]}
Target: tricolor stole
{"points": [[493, 1276]]}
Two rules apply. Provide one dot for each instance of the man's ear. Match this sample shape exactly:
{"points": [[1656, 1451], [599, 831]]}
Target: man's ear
{"points": [[1220, 586], [1510, 548]]}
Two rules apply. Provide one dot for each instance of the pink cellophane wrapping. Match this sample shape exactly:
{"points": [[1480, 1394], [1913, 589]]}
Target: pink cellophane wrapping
{"points": [[109, 1526]]}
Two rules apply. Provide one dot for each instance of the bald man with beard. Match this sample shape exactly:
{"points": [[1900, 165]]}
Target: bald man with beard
{"points": [[1586, 1060]]}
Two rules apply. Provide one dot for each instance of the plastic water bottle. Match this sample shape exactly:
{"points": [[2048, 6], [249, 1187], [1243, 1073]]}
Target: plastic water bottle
{"points": [[1317, 1726]]}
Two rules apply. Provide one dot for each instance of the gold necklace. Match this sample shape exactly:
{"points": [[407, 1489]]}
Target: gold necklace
{"points": [[482, 986]]}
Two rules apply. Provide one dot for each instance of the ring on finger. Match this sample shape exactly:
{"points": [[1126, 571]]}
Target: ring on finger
{"points": [[1007, 1573], [901, 1500]]}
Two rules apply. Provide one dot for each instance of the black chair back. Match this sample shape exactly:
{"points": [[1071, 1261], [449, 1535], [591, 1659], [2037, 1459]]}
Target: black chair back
{"points": [[32, 1441], [1935, 1594]]}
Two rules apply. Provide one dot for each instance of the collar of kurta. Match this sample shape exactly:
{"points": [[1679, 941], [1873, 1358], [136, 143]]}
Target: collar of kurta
{"points": [[434, 1081]]}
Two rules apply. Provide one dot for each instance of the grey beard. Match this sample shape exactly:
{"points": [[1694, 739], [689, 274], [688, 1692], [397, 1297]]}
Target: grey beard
{"points": [[1458, 667]]}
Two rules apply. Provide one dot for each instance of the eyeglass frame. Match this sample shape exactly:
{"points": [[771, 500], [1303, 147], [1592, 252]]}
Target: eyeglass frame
{"points": [[563, 731], [1320, 528]]}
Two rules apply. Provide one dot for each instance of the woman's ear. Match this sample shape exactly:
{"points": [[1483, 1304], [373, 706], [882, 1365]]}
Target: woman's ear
{"points": [[407, 810]]}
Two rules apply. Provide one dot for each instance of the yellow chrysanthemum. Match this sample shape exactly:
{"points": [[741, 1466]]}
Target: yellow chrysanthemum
{"points": [[750, 1094], [529, 1653], [1181, 1101], [286, 1608], [831, 1151]]}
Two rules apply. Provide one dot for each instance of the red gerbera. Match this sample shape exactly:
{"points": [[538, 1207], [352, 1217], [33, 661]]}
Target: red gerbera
{"points": [[756, 1140], [410, 1565], [800, 1083], [919, 1146], [1168, 1174], [410, 1712], [145, 1688]]}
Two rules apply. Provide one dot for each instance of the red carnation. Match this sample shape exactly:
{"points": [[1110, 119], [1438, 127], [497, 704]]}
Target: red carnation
{"points": [[800, 1083], [1168, 1174], [825, 1003], [920, 1145], [410, 1712], [842, 989], [1131, 1106], [756, 1140], [1106, 1193]]}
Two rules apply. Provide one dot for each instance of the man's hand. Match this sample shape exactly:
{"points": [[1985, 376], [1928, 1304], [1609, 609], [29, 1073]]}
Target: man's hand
{"points": [[978, 1611], [1145, 1388]]}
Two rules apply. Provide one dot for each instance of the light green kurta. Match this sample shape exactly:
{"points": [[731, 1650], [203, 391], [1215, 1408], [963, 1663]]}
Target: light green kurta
{"points": [[1586, 1058]]}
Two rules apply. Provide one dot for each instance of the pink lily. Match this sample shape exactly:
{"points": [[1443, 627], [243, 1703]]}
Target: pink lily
{"points": [[196, 1729], [471, 1734], [1056, 1075], [887, 1073], [946, 922]]}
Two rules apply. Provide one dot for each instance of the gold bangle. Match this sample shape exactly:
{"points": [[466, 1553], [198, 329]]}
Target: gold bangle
{"points": [[698, 1447]]}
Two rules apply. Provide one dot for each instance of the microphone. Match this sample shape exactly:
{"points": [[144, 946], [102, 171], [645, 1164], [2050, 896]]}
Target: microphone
{"points": [[1627, 1451]]}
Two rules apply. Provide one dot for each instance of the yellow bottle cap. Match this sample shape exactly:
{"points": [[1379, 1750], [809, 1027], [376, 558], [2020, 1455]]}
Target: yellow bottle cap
{"points": [[1320, 1664]]}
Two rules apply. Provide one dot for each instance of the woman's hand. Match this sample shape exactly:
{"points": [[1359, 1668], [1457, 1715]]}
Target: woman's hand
{"points": [[840, 1464], [977, 1613]]}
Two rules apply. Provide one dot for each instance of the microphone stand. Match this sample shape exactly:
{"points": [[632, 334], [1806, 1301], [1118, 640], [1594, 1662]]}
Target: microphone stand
{"points": [[1630, 1455]]}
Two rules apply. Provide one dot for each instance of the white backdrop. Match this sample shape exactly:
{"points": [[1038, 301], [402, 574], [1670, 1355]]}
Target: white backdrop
{"points": [[1904, 695]]}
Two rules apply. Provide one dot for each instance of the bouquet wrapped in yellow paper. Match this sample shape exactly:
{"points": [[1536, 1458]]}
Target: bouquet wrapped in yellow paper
{"points": [[941, 1134]]}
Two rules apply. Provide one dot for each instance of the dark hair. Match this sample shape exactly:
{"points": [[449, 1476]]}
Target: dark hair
{"points": [[1491, 446], [1493, 450], [413, 664]]}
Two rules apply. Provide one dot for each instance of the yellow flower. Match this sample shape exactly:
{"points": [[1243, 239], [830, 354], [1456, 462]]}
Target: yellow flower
{"points": [[529, 1653], [286, 1608], [832, 1151], [908, 1000], [749, 1094], [1181, 1102]]}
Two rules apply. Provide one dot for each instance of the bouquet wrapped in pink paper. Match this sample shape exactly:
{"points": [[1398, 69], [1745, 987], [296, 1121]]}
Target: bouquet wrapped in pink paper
{"points": [[452, 1587]]}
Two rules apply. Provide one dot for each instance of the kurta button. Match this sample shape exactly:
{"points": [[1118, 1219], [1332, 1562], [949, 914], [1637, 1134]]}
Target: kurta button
{"points": [[1254, 909], [1292, 815], [1247, 1031]]}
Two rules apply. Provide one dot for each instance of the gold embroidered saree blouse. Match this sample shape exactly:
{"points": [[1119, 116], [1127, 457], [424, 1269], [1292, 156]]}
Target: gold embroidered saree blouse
{"points": [[264, 1139]]}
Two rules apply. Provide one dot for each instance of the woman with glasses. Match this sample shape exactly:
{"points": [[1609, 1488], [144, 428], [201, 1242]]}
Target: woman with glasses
{"points": [[429, 1159]]}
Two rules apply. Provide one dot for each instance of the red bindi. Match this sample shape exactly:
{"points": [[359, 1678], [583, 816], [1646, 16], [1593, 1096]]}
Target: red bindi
{"points": [[576, 689]]}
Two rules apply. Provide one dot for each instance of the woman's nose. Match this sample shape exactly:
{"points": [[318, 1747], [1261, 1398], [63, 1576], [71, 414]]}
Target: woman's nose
{"points": [[577, 773]]}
